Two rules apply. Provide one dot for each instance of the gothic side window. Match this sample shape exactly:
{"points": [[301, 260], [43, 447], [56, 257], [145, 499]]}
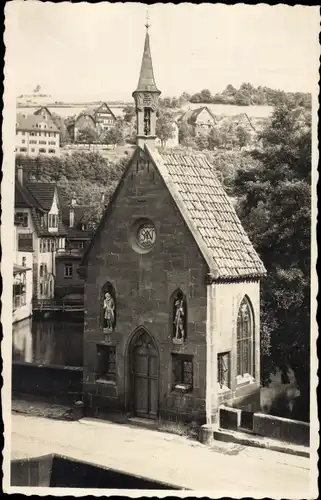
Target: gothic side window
{"points": [[147, 113], [179, 316], [108, 308], [245, 339]]}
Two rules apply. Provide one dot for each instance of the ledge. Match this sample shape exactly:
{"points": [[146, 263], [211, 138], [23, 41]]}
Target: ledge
{"points": [[104, 381]]}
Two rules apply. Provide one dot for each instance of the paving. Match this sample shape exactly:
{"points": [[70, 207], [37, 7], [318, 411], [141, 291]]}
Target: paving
{"points": [[224, 469]]}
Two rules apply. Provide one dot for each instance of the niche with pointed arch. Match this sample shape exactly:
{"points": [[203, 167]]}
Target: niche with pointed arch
{"points": [[178, 316], [108, 307]]}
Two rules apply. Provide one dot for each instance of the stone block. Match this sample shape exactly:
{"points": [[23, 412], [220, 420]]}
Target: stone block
{"points": [[292, 431], [229, 418]]}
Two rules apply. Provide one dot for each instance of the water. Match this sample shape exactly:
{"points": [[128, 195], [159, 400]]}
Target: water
{"points": [[45, 342]]}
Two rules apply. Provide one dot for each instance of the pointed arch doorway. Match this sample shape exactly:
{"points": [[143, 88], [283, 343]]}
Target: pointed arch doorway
{"points": [[144, 375]]}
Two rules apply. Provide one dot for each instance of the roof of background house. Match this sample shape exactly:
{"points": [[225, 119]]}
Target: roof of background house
{"points": [[27, 197], [80, 216], [237, 119], [43, 192], [24, 198], [38, 111], [208, 213], [191, 115], [93, 110], [32, 122]]}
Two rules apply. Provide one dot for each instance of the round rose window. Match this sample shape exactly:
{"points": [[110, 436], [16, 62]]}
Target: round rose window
{"points": [[142, 235], [146, 235]]}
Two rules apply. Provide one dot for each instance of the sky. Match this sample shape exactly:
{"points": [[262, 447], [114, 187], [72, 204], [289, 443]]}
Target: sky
{"points": [[93, 51]]}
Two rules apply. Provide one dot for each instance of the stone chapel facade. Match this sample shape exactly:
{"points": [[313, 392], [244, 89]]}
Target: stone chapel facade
{"points": [[172, 322]]}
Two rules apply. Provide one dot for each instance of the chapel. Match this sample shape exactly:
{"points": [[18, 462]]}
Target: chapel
{"points": [[172, 290]]}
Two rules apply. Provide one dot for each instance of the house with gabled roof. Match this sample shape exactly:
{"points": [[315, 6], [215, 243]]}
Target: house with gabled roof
{"points": [[36, 135], [99, 117], [40, 232], [172, 288], [202, 120]]}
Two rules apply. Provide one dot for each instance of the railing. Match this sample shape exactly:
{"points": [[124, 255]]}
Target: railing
{"points": [[57, 305]]}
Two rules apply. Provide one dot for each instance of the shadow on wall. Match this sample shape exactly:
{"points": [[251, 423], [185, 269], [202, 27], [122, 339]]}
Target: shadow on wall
{"points": [[279, 399]]}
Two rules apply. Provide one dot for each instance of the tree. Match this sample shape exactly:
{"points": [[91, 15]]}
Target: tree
{"points": [[185, 132], [164, 128], [87, 135], [129, 113], [214, 138], [243, 136], [206, 96], [201, 141], [113, 136], [275, 204], [242, 98]]}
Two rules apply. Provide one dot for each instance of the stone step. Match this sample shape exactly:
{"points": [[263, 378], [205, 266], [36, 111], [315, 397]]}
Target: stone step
{"points": [[250, 439]]}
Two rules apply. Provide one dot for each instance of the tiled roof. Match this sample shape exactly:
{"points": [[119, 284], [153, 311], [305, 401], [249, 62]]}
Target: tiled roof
{"points": [[43, 192], [24, 198], [191, 115], [146, 82], [32, 122], [210, 215], [93, 110], [80, 216]]}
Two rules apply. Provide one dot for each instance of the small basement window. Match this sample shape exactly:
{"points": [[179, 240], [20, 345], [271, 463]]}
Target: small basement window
{"points": [[182, 372]]}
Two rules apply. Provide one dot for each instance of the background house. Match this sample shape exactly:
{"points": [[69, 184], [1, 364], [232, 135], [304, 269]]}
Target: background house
{"points": [[36, 134], [39, 230], [201, 120], [22, 278], [99, 118], [78, 235]]}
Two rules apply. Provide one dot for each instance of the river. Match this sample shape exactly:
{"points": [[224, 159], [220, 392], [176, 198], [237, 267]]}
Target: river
{"points": [[48, 342]]}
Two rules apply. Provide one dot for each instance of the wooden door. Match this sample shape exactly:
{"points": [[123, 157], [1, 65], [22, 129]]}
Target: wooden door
{"points": [[145, 376]]}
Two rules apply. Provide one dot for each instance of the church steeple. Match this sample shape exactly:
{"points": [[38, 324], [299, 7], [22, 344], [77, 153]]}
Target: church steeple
{"points": [[146, 98]]}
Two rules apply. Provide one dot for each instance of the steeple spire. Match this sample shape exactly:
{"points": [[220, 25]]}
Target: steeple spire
{"points": [[146, 80], [146, 97]]}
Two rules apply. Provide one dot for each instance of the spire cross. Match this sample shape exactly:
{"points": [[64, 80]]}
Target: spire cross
{"points": [[147, 25]]}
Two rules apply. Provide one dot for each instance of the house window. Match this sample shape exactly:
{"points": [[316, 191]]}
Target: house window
{"points": [[42, 150], [68, 271], [106, 363], [43, 270], [45, 246], [23, 133], [19, 291], [182, 372], [245, 334], [52, 151], [42, 142], [52, 220], [223, 370], [23, 150], [41, 289], [24, 261], [32, 150], [21, 219], [25, 242], [23, 141], [33, 133]]}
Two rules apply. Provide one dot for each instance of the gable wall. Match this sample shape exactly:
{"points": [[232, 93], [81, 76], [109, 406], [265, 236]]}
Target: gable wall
{"points": [[144, 284]]}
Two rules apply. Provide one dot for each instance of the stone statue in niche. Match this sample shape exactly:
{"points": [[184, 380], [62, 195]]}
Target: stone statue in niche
{"points": [[179, 318], [108, 312]]}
